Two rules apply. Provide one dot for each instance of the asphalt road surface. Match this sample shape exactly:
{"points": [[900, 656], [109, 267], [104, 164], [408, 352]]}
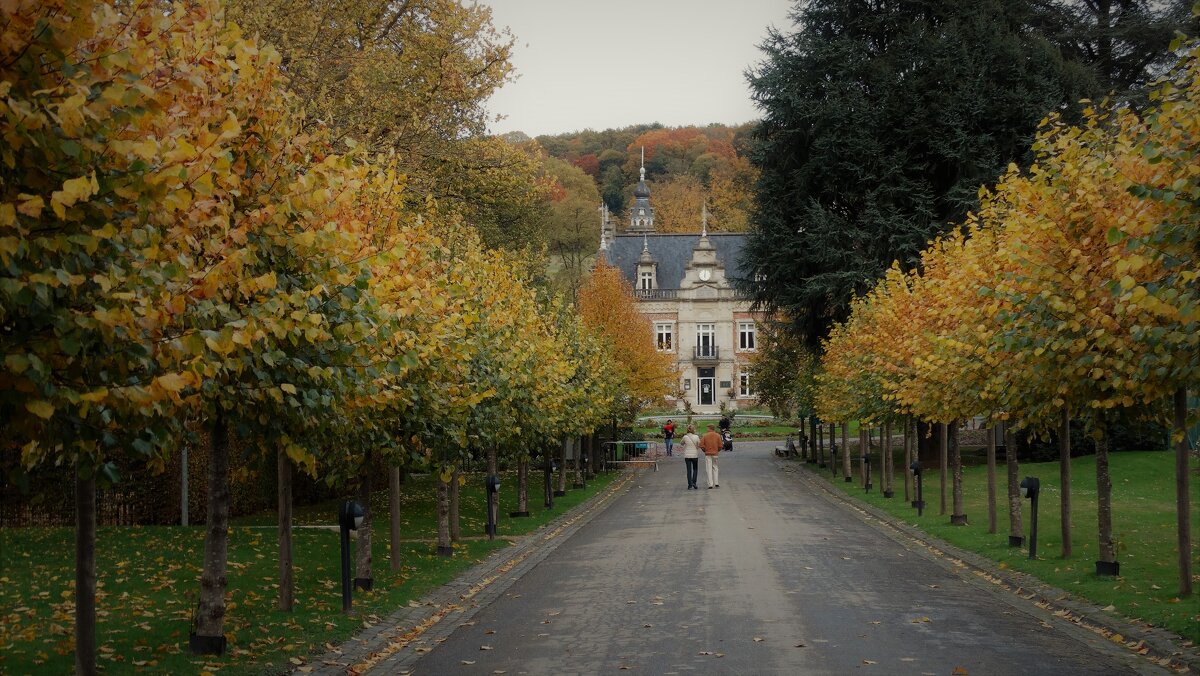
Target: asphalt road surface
{"points": [[764, 575]]}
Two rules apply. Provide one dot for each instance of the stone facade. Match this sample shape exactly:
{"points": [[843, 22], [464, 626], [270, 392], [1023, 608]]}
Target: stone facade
{"points": [[683, 283]]}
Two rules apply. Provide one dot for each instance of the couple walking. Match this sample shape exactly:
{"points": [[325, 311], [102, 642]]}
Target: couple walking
{"points": [[692, 446]]}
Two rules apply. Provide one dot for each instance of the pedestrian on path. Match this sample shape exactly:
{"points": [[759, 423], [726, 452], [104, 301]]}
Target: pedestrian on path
{"points": [[711, 445], [669, 435], [691, 456]]}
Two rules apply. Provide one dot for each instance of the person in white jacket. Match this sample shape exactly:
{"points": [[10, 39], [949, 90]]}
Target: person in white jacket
{"points": [[691, 456]]}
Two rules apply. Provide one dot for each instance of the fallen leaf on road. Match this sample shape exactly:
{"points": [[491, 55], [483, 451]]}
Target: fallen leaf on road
{"points": [[960, 671], [485, 647], [490, 631], [875, 622], [870, 662], [499, 671], [542, 635], [920, 620], [845, 558], [647, 626], [468, 662], [801, 645], [908, 659], [757, 640]]}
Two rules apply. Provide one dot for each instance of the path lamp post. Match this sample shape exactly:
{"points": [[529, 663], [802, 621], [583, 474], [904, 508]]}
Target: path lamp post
{"points": [[866, 460], [492, 483], [919, 503], [1030, 487], [833, 451], [350, 517], [583, 462]]}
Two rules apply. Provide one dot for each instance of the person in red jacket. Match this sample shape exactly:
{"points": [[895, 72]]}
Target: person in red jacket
{"points": [[669, 435]]}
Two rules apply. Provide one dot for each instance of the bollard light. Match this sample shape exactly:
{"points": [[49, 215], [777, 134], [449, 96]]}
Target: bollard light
{"points": [[919, 503], [1030, 487], [350, 517]]}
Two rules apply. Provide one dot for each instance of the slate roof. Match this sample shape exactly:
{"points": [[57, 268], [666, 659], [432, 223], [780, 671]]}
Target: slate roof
{"points": [[673, 253]]}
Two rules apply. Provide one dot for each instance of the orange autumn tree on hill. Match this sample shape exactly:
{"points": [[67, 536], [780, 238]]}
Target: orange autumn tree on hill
{"points": [[607, 307]]}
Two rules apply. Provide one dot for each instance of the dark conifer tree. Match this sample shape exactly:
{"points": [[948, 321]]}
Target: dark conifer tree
{"points": [[881, 120]]}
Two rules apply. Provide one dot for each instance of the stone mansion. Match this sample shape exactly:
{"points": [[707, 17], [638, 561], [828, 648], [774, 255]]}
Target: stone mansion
{"points": [[683, 285]]}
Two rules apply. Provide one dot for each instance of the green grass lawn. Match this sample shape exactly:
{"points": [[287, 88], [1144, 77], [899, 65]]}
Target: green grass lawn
{"points": [[148, 581], [1143, 527]]}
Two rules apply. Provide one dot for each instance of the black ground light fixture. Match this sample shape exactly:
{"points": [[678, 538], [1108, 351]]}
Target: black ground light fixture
{"points": [[350, 517], [492, 483], [919, 503], [1030, 487]]}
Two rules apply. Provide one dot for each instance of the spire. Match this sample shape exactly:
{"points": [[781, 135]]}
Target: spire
{"points": [[642, 171], [704, 220], [645, 243]]}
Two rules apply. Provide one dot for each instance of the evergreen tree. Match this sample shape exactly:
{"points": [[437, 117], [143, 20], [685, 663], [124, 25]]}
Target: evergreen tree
{"points": [[1124, 42], [881, 119]]}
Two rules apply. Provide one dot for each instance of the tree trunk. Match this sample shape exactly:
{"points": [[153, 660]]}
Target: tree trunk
{"points": [[493, 460], [210, 616], [821, 444], [943, 461], [832, 443], [394, 516], [287, 588], [562, 465], [362, 544], [85, 572], [1064, 472], [1015, 528], [812, 438], [991, 478], [577, 446], [864, 452], [455, 526], [1183, 514], [958, 517], [887, 455], [523, 484], [847, 470], [908, 461], [443, 518], [1107, 549]]}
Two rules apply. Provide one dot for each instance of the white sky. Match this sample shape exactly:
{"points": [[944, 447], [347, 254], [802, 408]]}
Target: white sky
{"points": [[603, 64]]}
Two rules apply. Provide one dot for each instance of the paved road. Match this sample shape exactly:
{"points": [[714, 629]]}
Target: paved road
{"points": [[764, 575]]}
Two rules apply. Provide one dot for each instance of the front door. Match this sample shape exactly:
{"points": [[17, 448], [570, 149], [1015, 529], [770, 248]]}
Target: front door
{"points": [[708, 385]]}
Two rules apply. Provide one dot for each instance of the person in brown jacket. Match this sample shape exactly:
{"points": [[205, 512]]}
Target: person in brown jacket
{"points": [[711, 444]]}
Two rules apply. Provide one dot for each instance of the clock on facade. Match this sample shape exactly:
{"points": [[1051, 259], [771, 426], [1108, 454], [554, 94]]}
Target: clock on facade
{"points": [[704, 275]]}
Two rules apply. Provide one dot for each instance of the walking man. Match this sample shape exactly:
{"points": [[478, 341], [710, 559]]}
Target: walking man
{"points": [[711, 445], [669, 435]]}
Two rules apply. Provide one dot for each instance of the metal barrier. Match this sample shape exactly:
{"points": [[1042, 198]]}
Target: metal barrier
{"points": [[641, 453]]}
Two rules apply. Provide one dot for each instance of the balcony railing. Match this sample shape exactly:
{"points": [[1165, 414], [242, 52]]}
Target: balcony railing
{"points": [[656, 294], [706, 353]]}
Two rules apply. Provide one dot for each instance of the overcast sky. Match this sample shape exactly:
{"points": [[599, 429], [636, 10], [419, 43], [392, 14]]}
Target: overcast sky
{"points": [[603, 64]]}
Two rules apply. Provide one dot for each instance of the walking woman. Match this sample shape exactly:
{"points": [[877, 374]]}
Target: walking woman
{"points": [[691, 456]]}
